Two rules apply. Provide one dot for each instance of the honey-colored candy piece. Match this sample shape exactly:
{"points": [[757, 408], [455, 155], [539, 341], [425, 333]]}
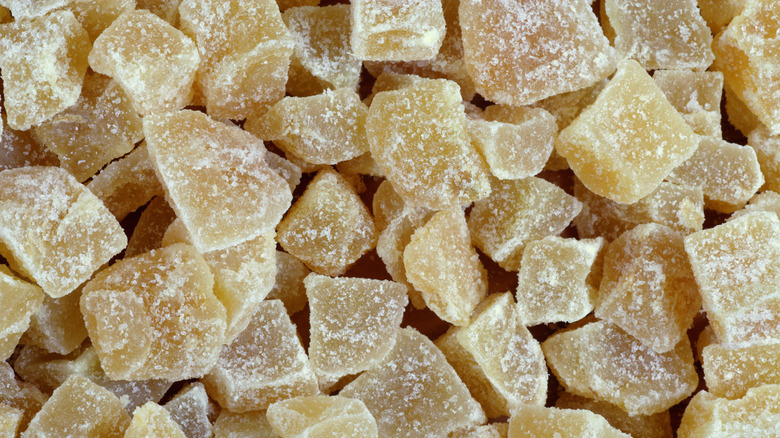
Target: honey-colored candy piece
{"points": [[442, 264], [264, 364], [216, 178], [386, 205], [10, 420], [329, 227], [191, 408], [391, 244], [25, 9], [57, 326], [767, 147], [80, 407], [638, 426], [19, 149], [754, 415], [19, 395], [540, 422], [519, 53], [731, 370], [321, 415], [361, 165], [253, 424], [739, 115], [601, 361], [418, 138], [556, 280], [706, 337], [390, 81], [289, 286], [516, 213], [95, 17], [764, 201], [719, 13], [52, 43], [629, 140], [737, 268], [353, 323], [245, 51], [153, 62], [696, 95], [149, 231], [415, 381], [152, 420], [21, 301], [154, 316], [46, 215], [168, 10]]}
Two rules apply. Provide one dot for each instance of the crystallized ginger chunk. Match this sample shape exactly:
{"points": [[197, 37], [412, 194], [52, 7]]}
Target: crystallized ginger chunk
{"points": [[540, 422], [150, 228], [765, 201], [20, 301], [20, 149], [95, 17], [731, 370], [152, 420], [638, 426], [168, 10], [322, 416], [252, 424], [386, 205], [10, 420], [191, 409], [719, 13], [25, 9], [757, 414], [19, 395], [767, 147], [57, 326], [288, 286], [696, 95]]}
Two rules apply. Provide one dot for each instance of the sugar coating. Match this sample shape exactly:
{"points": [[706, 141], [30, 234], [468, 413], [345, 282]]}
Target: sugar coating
{"points": [[386, 205], [539, 422], [767, 147], [739, 115], [755, 414], [629, 140], [19, 149], [516, 213], [191, 409], [765, 201], [421, 382], [153, 62], [737, 268], [25, 9], [155, 316], [321, 415], [216, 178], [245, 51], [518, 54], [10, 419], [719, 13], [45, 215], [57, 326], [19, 395], [253, 424], [150, 420], [55, 43], [168, 10], [556, 279], [265, 363], [150, 229], [419, 140], [601, 361], [21, 301], [288, 286], [731, 370], [696, 95], [639, 426]]}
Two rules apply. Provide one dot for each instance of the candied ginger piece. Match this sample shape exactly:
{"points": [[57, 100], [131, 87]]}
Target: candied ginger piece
{"points": [[565, 107], [21, 301], [191, 408], [289, 286], [149, 231], [253, 424], [95, 17], [20, 149], [45, 215], [639, 426], [285, 168], [516, 213], [168, 10], [25, 9], [387, 205], [719, 13], [19, 395], [10, 420], [737, 268], [731, 370], [696, 95], [764, 201], [413, 383], [153, 62], [155, 316], [601, 361], [739, 115], [152, 420], [321, 415], [494, 430], [57, 326], [767, 147], [757, 414], [540, 422], [264, 364], [216, 178]]}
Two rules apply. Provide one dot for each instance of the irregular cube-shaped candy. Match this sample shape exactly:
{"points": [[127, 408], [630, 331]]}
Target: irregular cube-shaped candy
{"points": [[289, 286], [57, 326], [754, 415], [149, 231], [696, 95], [10, 420], [321, 415], [153, 62], [19, 395], [764, 201], [191, 408], [719, 13], [19, 149], [45, 216], [629, 140], [767, 147], [731, 370], [391, 244], [638, 426], [95, 17], [216, 178], [252, 424], [540, 422], [21, 301], [24, 9], [152, 420]]}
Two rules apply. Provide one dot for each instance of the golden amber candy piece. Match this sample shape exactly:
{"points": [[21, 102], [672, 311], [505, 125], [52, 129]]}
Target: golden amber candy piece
{"points": [[737, 268], [731, 370], [191, 409], [739, 115], [95, 17], [419, 139], [21, 301], [754, 415], [321, 415], [19, 395], [253, 424], [540, 422], [329, 227], [153, 62], [391, 244], [696, 95], [19, 149], [168, 10], [216, 178], [45, 215], [629, 140], [516, 213], [421, 382], [556, 280], [719, 13], [25, 9], [519, 53], [149, 231], [152, 420], [264, 364], [52, 43], [10, 420], [154, 316], [764, 201], [387, 205], [601, 361], [57, 326], [638, 426], [767, 147], [289, 286]]}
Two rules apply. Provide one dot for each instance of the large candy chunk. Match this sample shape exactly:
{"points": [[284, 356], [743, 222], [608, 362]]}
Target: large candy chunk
{"points": [[638, 426], [757, 414], [540, 422], [731, 370], [322, 416], [150, 420], [20, 302], [696, 95]]}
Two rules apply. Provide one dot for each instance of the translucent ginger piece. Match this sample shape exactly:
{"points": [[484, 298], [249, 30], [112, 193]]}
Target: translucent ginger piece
{"points": [[565, 107], [719, 13], [168, 10], [494, 430], [57, 326], [516, 213], [601, 361], [639, 426], [10, 420], [191, 408], [253, 424], [696, 95], [21, 301], [556, 280], [706, 337], [629, 140], [767, 147], [51, 43], [415, 381], [245, 51], [26, 9], [264, 364], [149, 231], [321, 415], [353, 323], [361, 165], [539, 422], [155, 316], [152, 420], [387, 205], [45, 215], [289, 287], [19, 149], [419, 139], [737, 268], [19, 395], [153, 62], [731, 370], [756, 415], [519, 53], [739, 115], [286, 169], [764, 201], [95, 17], [80, 407], [216, 178], [329, 227]]}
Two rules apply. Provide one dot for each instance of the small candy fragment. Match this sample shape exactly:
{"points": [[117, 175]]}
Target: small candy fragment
{"points": [[21, 301], [152, 420], [19, 395], [191, 408], [10, 420], [767, 147], [386, 205], [149, 231], [638, 426], [19, 149], [392, 242], [285, 168], [57, 326], [289, 286], [731, 370], [168, 10], [321, 415], [757, 414], [25, 9], [719, 13], [696, 95], [764, 201], [253, 424], [739, 115]]}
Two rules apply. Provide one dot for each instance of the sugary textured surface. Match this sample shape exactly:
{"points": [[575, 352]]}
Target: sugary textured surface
{"points": [[540, 422], [442, 264], [152, 420], [153, 62], [19, 395], [253, 424], [329, 227], [555, 282], [191, 408], [154, 316], [95, 17], [767, 147], [601, 361], [418, 137], [737, 268], [57, 326], [10, 419], [628, 141], [19, 149], [265, 363], [421, 382], [757, 414], [639, 426], [516, 213], [731, 370], [25, 9], [323, 416], [21, 301], [289, 286], [764, 201], [150, 229], [43, 62], [45, 215], [216, 178], [696, 95]]}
